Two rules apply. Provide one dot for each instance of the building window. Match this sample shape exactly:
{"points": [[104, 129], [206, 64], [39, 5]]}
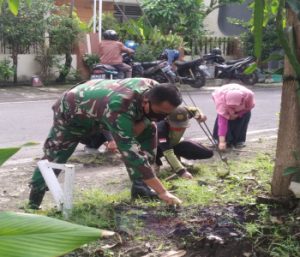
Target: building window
{"points": [[124, 12]]}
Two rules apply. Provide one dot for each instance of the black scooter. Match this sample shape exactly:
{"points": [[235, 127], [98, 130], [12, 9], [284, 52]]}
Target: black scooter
{"points": [[158, 70], [105, 71], [215, 66], [189, 73]]}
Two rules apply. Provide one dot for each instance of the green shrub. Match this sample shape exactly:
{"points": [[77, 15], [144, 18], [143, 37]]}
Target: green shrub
{"points": [[90, 60], [6, 70], [147, 52]]}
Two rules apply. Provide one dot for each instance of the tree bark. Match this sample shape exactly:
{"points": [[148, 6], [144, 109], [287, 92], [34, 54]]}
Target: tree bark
{"points": [[63, 74], [15, 64], [288, 143]]}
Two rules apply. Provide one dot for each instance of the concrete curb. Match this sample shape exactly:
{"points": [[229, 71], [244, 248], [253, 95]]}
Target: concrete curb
{"points": [[212, 84]]}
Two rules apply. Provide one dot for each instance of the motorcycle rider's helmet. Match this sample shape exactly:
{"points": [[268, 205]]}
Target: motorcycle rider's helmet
{"points": [[216, 51], [179, 118], [110, 35]]}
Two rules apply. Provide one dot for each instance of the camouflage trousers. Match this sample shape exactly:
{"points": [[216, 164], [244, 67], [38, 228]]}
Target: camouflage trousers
{"points": [[64, 137]]}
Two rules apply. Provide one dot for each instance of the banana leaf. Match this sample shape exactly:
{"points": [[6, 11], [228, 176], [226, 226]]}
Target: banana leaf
{"points": [[30, 235], [258, 26], [6, 153], [14, 6]]}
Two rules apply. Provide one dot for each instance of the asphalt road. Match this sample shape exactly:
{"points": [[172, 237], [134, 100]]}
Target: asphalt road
{"points": [[26, 114]]}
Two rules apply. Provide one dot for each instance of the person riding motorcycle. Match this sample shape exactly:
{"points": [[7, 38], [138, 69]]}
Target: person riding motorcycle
{"points": [[171, 55], [110, 51]]}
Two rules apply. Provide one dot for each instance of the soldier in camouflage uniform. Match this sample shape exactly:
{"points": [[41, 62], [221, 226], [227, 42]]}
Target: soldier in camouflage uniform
{"points": [[123, 107], [171, 145]]}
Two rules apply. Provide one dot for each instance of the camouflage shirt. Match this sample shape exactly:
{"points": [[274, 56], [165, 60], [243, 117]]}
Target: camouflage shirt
{"points": [[114, 105]]}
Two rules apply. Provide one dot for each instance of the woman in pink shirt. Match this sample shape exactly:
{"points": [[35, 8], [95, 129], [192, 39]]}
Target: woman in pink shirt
{"points": [[233, 104]]}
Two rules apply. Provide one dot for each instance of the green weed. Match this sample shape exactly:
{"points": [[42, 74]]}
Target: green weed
{"points": [[239, 184], [288, 247], [96, 209]]}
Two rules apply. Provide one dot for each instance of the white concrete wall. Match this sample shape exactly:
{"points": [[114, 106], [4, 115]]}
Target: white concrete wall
{"points": [[211, 22], [28, 66], [122, 1]]}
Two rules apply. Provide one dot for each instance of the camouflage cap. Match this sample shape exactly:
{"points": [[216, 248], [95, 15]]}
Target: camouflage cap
{"points": [[179, 118]]}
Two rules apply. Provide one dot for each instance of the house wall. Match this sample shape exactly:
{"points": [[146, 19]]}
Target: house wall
{"points": [[28, 66], [237, 11], [211, 22], [85, 8], [217, 22]]}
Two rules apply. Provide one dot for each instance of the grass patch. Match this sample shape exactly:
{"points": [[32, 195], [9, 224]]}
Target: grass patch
{"points": [[241, 185], [95, 208], [271, 234]]}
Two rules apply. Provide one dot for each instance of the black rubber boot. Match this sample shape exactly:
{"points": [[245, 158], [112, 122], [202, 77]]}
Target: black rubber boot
{"points": [[140, 190], [35, 198]]}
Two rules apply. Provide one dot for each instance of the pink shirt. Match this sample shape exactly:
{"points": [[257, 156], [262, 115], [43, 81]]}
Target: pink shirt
{"points": [[110, 51], [230, 100]]}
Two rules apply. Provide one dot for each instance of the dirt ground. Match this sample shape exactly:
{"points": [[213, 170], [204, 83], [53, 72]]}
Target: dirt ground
{"points": [[103, 171]]}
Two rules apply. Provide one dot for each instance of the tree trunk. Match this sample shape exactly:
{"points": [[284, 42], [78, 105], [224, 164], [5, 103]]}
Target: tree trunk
{"points": [[64, 73], [288, 143], [15, 63]]}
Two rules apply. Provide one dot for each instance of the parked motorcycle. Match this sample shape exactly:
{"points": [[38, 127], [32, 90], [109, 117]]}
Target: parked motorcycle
{"points": [[215, 66], [105, 71], [158, 70], [189, 73]]}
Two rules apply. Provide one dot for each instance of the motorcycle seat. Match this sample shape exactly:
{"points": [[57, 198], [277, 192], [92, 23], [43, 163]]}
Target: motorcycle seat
{"points": [[150, 64], [230, 62], [234, 61], [105, 66], [181, 64], [223, 66]]}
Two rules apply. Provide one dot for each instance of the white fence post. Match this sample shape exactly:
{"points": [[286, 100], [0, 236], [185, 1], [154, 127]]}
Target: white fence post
{"points": [[62, 197], [68, 189]]}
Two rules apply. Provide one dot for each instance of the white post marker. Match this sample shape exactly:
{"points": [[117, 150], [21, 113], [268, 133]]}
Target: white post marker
{"points": [[88, 43], [94, 16], [100, 20], [62, 197]]}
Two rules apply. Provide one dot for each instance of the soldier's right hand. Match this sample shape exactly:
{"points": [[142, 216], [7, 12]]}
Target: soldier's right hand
{"points": [[169, 198], [112, 146]]}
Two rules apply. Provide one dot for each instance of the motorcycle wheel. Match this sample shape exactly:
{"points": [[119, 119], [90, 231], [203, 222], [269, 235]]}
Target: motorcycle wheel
{"points": [[200, 79], [159, 77], [250, 79]]}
